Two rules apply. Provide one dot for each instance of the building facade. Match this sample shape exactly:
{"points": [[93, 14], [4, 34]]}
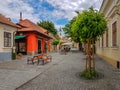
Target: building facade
{"points": [[31, 38], [7, 29], [108, 46]]}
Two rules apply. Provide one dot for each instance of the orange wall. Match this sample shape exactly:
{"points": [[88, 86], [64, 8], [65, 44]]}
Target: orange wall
{"points": [[32, 43]]}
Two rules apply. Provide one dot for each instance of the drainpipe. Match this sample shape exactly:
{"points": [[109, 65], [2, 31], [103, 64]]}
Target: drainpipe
{"points": [[13, 47], [14, 38]]}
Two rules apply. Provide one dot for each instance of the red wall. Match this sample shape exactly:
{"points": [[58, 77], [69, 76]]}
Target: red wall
{"points": [[32, 44]]}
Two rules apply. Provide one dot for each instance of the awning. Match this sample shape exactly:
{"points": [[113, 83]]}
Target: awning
{"points": [[19, 37], [68, 43]]}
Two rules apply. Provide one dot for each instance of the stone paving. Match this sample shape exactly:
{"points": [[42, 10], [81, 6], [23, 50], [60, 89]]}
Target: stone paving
{"points": [[17, 72], [63, 74]]}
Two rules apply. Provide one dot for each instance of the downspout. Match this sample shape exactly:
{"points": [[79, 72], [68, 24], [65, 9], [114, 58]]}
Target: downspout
{"points": [[14, 38]]}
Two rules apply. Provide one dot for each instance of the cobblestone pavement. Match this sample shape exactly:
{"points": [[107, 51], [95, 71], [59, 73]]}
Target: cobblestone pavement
{"points": [[14, 73], [63, 74]]}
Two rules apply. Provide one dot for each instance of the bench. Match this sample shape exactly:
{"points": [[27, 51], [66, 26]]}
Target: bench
{"points": [[39, 58], [46, 58], [32, 59]]}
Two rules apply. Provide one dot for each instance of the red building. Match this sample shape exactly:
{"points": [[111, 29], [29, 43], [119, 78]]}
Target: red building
{"points": [[31, 38]]}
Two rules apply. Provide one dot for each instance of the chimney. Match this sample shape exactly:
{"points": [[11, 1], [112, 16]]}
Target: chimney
{"points": [[20, 16]]}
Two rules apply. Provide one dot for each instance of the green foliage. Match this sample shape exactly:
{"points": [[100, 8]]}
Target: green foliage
{"points": [[89, 74], [55, 42], [48, 25], [13, 55], [19, 54], [89, 24], [68, 31], [61, 42]]}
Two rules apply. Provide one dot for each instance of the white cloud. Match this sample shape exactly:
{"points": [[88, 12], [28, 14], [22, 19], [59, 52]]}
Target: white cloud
{"points": [[12, 8], [66, 8], [63, 9]]}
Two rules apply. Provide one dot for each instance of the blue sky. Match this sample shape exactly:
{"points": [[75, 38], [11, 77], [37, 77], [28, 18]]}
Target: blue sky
{"points": [[57, 11]]}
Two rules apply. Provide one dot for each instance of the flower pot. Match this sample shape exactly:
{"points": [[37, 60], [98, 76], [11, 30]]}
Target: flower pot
{"points": [[19, 57]]}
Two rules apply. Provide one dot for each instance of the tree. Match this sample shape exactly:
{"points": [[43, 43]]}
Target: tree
{"points": [[69, 33], [48, 25], [55, 43], [89, 25], [67, 29]]}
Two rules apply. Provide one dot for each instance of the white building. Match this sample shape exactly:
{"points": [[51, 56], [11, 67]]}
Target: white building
{"points": [[7, 28], [108, 47]]}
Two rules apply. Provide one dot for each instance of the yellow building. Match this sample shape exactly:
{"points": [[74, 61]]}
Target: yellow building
{"points": [[7, 28], [108, 46]]}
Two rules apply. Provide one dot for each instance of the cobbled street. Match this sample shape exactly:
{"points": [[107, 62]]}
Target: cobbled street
{"points": [[63, 74]]}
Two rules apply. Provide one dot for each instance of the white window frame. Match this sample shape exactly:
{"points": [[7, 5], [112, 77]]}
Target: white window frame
{"points": [[11, 39]]}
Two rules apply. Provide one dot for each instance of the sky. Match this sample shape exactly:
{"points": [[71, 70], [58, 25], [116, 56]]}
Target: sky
{"points": [[57, 11]]}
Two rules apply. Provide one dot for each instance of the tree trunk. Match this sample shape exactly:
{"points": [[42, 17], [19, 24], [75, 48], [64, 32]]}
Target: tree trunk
{"points": [[80, 46], [90, 61], [55, 48]]}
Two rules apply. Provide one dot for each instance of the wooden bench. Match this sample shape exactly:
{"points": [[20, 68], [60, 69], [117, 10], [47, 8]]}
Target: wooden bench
{"points": [[32, 59], [39, 58], [45, 58]]}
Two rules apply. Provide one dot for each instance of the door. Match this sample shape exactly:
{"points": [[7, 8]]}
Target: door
{"points": [[39, 46], [21, 46], [46, 47]]}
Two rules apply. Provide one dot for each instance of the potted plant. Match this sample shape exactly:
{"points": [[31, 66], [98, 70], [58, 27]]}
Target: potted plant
{"points": [[19, 56]]}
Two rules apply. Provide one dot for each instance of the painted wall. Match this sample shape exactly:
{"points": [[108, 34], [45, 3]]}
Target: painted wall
{"points": [[32, 44], [5, 52], [5, 56], [110, 54]]}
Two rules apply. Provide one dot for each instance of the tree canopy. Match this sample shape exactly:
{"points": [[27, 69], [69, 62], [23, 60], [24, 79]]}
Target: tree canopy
{"points": [[89, 24], [55, 42], [48, 25], [68, 30]]}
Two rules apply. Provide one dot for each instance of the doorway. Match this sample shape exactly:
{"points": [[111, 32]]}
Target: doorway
{"points": [[39, 46], [45, 47], [21, 46]]}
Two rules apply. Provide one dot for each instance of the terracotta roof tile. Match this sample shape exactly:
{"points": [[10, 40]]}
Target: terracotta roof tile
{"points": [[7, 21], [27, 25]]}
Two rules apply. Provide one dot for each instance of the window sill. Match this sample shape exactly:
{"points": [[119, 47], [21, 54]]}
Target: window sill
{"points": [[114, 47], [7, 47]]}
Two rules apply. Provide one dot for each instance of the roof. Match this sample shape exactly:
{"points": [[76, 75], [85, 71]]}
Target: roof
{"points": [[7, 21], [101, 5], [27, 25]]}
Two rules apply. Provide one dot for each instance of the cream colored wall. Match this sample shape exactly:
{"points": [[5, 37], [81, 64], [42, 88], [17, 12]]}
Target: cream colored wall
{"points": [[4, 27], [110, 54]]}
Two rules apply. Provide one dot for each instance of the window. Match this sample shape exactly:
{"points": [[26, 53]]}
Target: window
{"points": [[107, 38], [7, 39], [114, 34]]}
